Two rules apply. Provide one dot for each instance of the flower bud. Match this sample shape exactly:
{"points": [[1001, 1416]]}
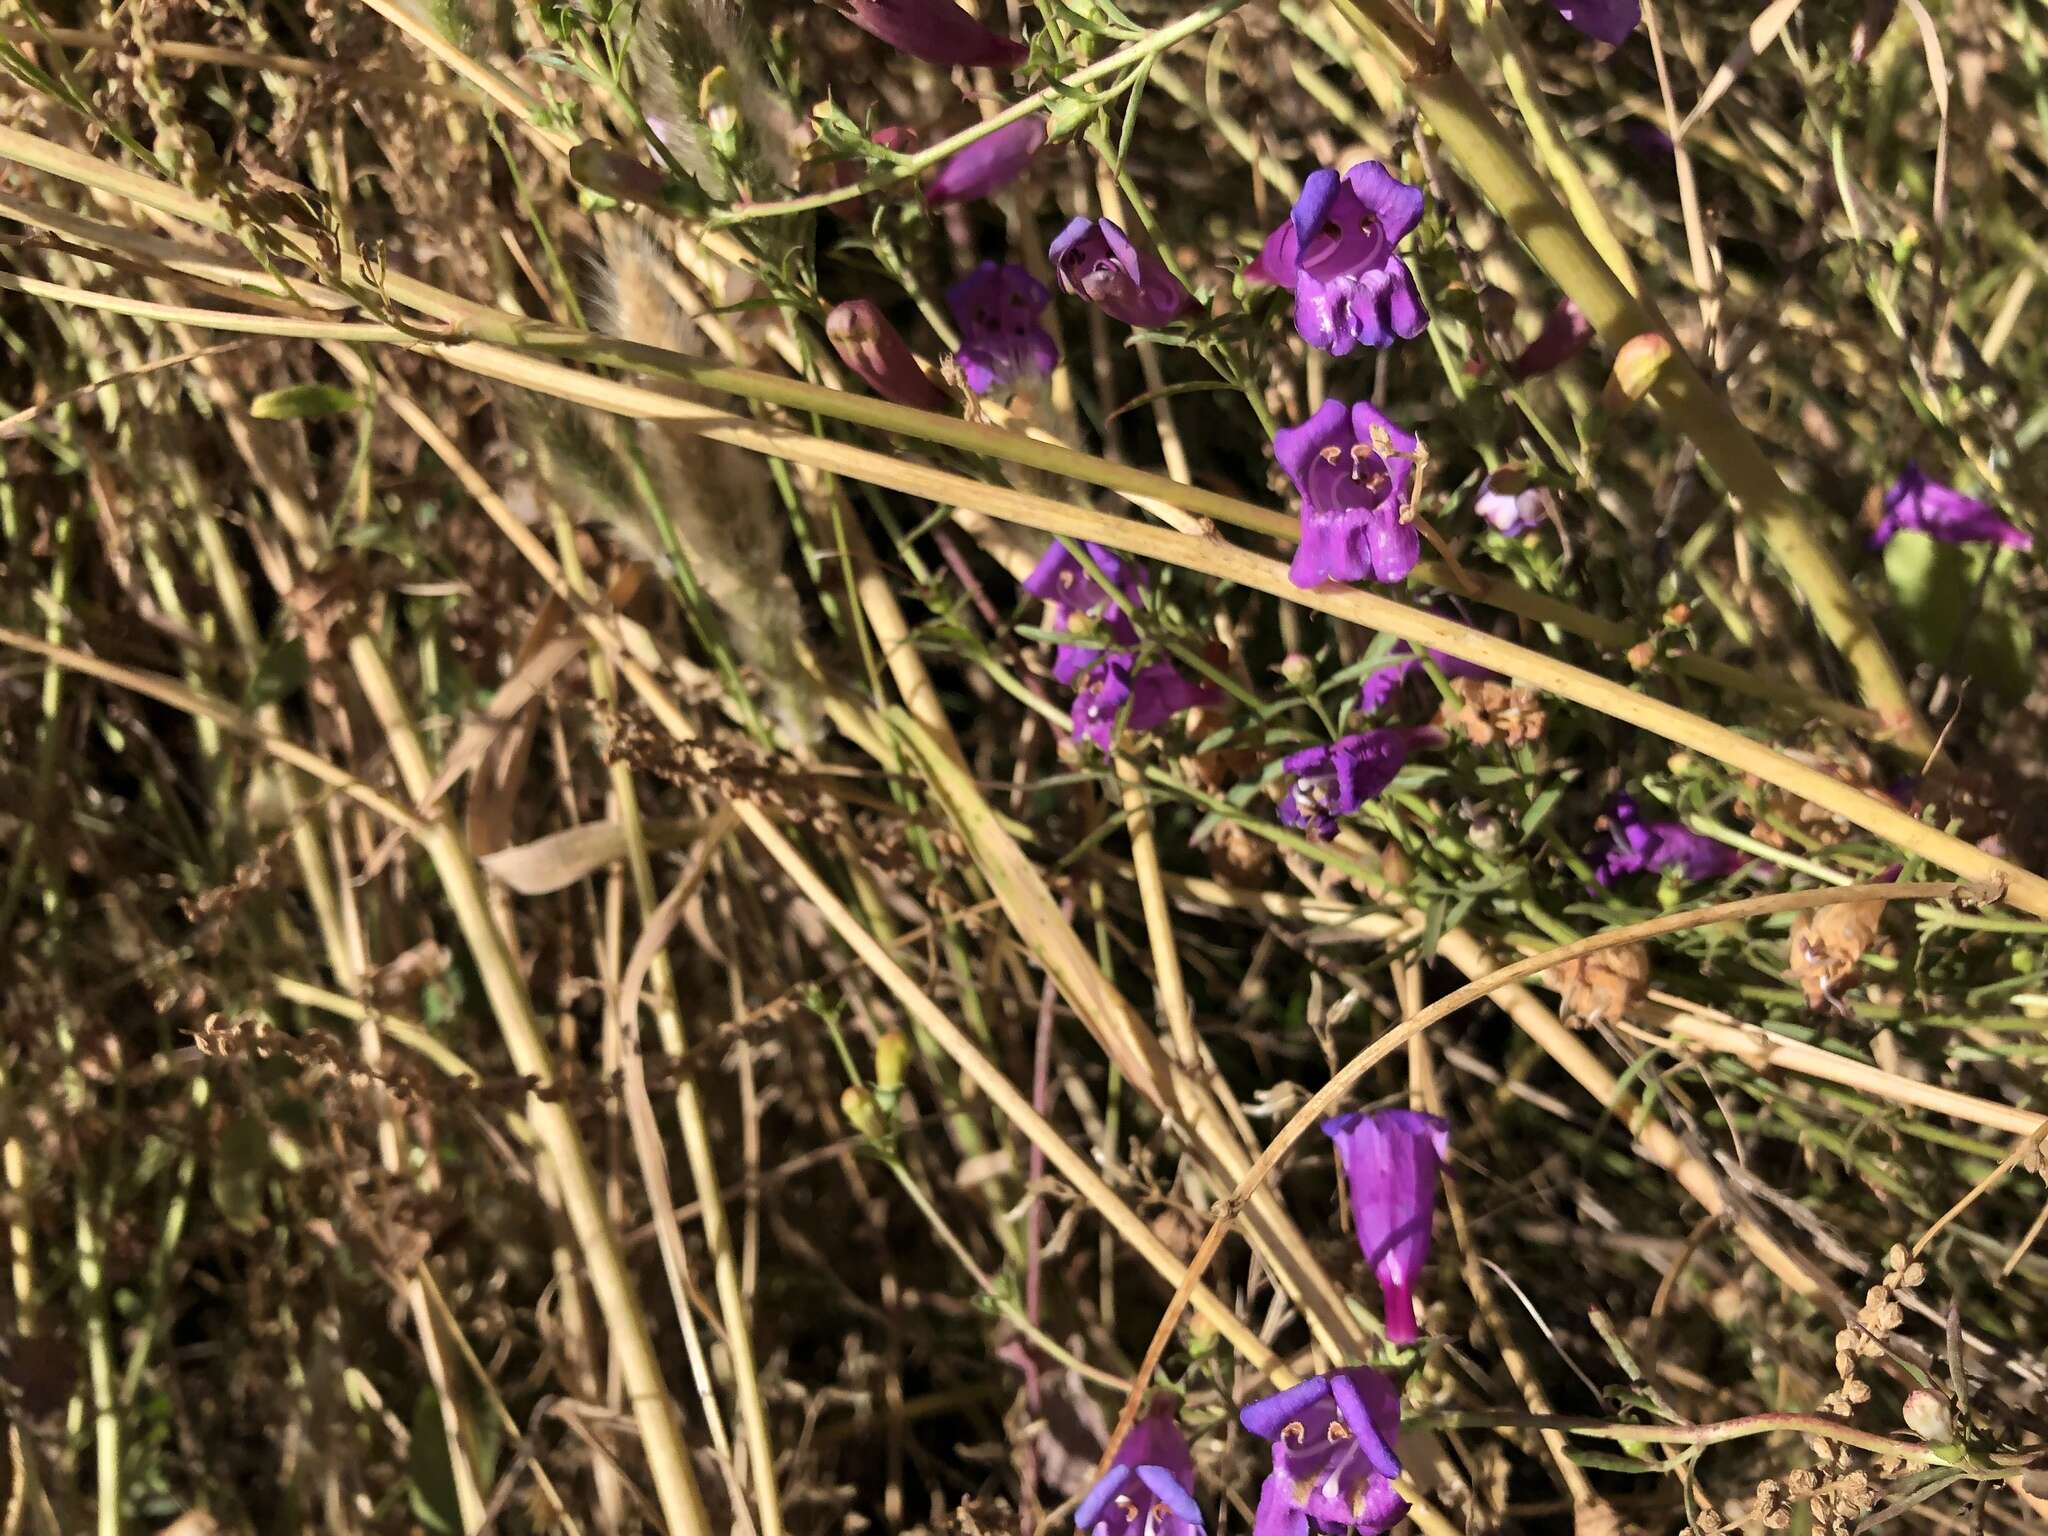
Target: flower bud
{"points": [[892, 1054], [873, 348], [1928, 1415], [862, 1113]]}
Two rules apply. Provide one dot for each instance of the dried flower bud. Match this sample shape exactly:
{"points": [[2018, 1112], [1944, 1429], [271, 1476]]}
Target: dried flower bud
{"points": [[1929, 1416], [1603, 986], [614, 174]]}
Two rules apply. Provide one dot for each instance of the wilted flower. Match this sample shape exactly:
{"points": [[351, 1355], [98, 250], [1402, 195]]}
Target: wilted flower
{"points": [[1096, 259], [1916, 504], [1566, 333], [1337, 252], [1149, 1487], [1352, 467], [1607, 21], [1332, 782], [1333, 1455], [1001, 342], [1394, 1161], [1648, 140], [1640, 845], [1511, 503], [1061, 580], [873, 348], [987, 165], [937, 31], [1119, 692], [1603, 986]]}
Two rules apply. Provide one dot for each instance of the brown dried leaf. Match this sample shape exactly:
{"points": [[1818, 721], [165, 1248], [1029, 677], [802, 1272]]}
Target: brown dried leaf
{"points": [[1603, 986]]}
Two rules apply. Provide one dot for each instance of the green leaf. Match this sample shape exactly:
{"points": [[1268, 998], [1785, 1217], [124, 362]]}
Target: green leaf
{"points": [[304, 402], [431, 1474]]}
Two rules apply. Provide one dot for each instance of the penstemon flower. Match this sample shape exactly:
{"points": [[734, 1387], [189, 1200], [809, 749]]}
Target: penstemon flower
{"points": [[1333, 1455], [1061, 580], [1916, 504], [1656, 845], [1332, 782], [1511, 503], [1095, 259], [1002, 345], [1393, 1159], [1149, 1487], [1353, 468], [1337, 252], [1119, 693]]}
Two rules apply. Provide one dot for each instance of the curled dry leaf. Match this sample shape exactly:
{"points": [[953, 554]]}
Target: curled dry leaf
{"points": [[1827, 944], [1603, 986]]}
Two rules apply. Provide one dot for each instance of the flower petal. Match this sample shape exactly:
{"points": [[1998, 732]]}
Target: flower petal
{"points": [[1297, 447], [937, 31], [1396, 205], [1267, 1416], [1313, 206], [987, 165]]}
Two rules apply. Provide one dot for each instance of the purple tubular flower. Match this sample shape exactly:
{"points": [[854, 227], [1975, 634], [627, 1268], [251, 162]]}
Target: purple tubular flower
{"points": [[1565, 334], [1337, 252], [1383, 682], [1332, 782], [1916, 504], [1656, 845], [1333, 1455], [1394, 1161], [1095, 259], [1149, 1487], [987, 165], [1352, 490], [873, 348], [1061, 580], [1511, 509], [1606, 21], [1120, 694], [937, 31], [1002, 344]]}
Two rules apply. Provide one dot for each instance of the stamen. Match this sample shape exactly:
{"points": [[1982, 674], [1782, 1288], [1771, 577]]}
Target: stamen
{"points": [[1293, 1433], [1337, 1432]]}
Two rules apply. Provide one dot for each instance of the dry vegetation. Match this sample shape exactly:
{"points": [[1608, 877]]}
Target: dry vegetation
{"points": [[559, 966]]}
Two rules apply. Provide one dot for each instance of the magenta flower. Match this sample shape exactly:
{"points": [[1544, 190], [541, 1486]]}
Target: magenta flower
{"points": [[1095, 259], [1511, 504], [1566, 333], [1332, 782], [1916, 504], [1640, 845], [1394, 1160], [1149, 1487], [1333, 1455], [1002, 344], [1386, 680], [873, 348], [1118, 695], [1337, 252], [1061, 580], [937, 31], [1352, 467], [987, 165], [1606, 21]]}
